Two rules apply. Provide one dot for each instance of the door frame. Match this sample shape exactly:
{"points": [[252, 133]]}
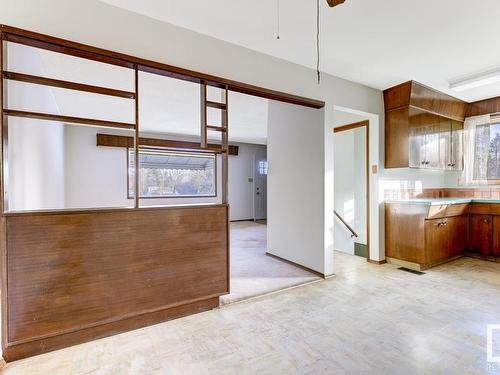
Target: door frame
{"points": [[366, 125]]}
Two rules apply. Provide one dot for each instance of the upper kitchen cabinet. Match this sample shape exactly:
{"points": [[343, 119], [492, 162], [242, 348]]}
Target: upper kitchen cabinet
{"points": [[423, 128]]}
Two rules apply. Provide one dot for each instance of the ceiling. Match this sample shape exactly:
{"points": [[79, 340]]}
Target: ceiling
{"points": [[376, 43]]}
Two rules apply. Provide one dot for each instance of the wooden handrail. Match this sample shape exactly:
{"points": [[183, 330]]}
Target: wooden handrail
{"points": [[353, 233]]}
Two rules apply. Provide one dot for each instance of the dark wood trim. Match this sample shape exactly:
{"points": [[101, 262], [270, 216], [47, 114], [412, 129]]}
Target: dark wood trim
{"points": [[38, 40], [228, 241], [67, 85], [379, 262], [354, 125], [43, 345], [216, 128], [296, 265], [137, 184], [484, 107], [225, 148], [67, 119], [108, 209], [3, 121], [368, 173], [32, 39], [216, 105], [110, 140]]}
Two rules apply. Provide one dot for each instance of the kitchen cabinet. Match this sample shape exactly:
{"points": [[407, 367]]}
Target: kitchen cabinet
{"points": [[423, 233], [423, 128], [445, 238], [435, 142], [496, 236], [480, 234]]}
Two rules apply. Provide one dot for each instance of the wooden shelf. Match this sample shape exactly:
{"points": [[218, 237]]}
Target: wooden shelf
{"points": [[67, 85], [216, 105], [216, 128]]}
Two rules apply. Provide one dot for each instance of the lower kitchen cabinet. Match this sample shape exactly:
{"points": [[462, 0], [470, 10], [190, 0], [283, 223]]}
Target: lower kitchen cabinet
{"points": [[496, 236], [481, 234], [445, 238]]}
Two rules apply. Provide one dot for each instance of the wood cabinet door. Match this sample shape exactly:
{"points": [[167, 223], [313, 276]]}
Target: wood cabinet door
{"points": [[496, 236], [480, 234], [445, 238], [457, 145]]}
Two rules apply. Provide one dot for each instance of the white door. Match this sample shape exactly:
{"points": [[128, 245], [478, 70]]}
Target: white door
{"points": [[260, 187]]}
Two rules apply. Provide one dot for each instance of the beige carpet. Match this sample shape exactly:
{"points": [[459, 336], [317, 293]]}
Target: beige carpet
{"points": [[253, 272]]}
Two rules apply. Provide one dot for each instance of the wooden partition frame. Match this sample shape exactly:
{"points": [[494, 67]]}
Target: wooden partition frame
{"points": [[69, 298]]}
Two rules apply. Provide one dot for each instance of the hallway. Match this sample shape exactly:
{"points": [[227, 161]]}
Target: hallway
{"points": [[254, 273]]}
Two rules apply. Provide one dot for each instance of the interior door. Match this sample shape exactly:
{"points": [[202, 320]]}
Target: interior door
{"points": [[260, 187]]}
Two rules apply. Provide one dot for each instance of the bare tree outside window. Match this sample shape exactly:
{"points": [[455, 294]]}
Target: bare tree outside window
{"points": [[487, 153], [173, 174]]}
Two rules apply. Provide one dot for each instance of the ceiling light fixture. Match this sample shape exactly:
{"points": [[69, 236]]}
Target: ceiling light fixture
{"points": [[477, 80]]}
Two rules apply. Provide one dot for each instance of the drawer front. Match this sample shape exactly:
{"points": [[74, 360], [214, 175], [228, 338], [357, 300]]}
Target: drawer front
{"points": [[448, 210]]}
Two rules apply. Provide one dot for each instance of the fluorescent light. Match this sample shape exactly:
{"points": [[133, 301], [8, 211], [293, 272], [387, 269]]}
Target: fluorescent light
{"points": [[475, 81]]}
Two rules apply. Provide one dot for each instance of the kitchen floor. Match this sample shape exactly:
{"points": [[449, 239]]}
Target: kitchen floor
{"points": [[372, 319], [254, 273]]}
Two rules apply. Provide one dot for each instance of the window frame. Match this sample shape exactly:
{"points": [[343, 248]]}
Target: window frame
{"points": [[486, 181], [214, 154]]}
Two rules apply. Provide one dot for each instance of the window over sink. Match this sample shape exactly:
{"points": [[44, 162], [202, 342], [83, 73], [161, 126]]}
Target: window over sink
{"points": [[487, 152]]}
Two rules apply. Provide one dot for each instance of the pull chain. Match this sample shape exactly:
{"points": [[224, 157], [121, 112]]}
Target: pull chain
{"points": [[317, 42], [278, 19]]}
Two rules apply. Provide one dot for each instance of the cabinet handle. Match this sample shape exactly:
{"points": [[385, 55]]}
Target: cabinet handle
{"points": [[486, 221]]}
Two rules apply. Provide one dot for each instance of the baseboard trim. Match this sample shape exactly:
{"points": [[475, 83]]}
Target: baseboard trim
{"points": [[297, 265], [237, 221], [35, 347], [489, 258], [379, 262]]}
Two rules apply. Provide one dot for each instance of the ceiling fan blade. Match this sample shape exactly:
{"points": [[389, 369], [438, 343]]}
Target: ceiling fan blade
{"points": [[334, 3]]}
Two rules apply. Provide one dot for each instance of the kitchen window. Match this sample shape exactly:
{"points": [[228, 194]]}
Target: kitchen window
{"points": [[487, 153], [170, 174]]}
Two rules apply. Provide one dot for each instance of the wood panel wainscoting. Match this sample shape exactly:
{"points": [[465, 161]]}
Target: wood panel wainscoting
{"points": [[79, 276]]}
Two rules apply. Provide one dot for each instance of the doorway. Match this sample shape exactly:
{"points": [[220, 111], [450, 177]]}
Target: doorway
{"points": [[351, 188]]}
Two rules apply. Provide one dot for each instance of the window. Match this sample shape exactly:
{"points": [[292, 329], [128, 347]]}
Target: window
{"points": [[166, 174], [487, 152], [262, 167]]}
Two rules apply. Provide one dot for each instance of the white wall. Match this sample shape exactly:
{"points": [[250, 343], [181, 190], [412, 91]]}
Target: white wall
{"points": [[97, 176], [35, 148], [295, 185], [241, 190], [350, 188]]}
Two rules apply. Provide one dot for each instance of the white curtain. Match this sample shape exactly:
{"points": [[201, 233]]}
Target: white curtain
{"points": [[475, 154]]}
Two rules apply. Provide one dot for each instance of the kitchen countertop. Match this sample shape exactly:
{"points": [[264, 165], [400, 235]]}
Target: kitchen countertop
{"points": [[442, 201]]}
